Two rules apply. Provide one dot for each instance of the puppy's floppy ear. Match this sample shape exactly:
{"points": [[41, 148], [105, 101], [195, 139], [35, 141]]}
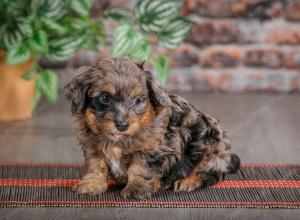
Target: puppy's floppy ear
{"points": [[157, 94], [75, 91]]}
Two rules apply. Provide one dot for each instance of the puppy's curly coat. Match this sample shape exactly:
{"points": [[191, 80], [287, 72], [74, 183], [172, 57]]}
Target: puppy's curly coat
{"points": [[130, 128]]}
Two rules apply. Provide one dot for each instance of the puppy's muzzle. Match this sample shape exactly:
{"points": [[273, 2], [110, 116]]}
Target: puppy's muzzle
{"points": [[121, 126]]}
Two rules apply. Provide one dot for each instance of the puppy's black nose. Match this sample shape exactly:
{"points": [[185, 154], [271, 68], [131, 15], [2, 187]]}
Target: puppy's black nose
{"points": [[121, 126]]}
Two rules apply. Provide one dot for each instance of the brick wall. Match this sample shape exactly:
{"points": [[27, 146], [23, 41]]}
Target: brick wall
{"points": [[240, 45], [235, 46]]}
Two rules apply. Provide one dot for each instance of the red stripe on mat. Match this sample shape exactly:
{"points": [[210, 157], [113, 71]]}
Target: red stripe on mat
{"points": [[258, 183], [144, 203], [224, 184], [266, 165], [81, 165], [43, 182]]}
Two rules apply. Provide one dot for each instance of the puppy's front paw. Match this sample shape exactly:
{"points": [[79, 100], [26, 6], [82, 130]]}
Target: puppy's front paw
{"points": [[137, 191], [92, 185], [187, 184]]}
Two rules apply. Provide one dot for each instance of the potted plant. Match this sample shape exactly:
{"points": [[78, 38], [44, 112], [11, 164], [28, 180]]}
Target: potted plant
{"points": [[151, 22], [29, 30]]}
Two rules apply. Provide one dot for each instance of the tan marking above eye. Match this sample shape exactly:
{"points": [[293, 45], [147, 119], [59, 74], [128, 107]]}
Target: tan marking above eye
{"points": [[109, 88], [137, 91], [101, 87]]}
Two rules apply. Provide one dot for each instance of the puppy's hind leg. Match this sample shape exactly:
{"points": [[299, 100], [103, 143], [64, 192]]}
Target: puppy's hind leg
{"points": [[214, 176], [194, 180], [234, 164], [188, 184], [213, 167]]}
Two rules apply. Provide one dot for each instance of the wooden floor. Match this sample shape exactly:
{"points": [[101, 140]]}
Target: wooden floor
{"points": [[263, 129]]}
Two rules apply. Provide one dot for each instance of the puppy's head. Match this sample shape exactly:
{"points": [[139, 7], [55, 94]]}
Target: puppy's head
{"points": [[116, 98]]}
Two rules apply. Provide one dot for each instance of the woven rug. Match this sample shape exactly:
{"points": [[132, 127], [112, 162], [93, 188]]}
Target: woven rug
{"points": [[253, 186]]}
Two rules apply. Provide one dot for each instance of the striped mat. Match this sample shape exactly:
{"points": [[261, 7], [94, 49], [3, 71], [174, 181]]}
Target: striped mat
{"points": [[253, 186]]}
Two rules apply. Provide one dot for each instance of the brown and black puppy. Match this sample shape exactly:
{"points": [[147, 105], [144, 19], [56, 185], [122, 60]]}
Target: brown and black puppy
{"points": [[130, 128]]}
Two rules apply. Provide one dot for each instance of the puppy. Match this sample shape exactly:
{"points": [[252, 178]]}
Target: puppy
{"points": [[129, 127]]}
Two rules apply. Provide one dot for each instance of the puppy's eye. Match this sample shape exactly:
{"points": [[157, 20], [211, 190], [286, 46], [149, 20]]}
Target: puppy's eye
{"points": [[105, 98], [137, 100]]}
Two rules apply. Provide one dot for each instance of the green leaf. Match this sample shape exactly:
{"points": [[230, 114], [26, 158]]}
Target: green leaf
{"points": [[25, 26], [152, 15], [120, 15], [49, 84], [94, 35], [99, 31], [82, 7], [17, 54], [12, 35], [174, 32], [141, 51], [35, 5], [53, 26], [39, 42], [77, 24], [37, 93], [29, 74], [54, 9], [65, 47], [16, 8], [9, 39], [123, 40], [162, 67]]}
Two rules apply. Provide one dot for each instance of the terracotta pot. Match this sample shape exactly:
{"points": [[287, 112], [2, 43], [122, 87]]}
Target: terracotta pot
{"points": [[16, 94]]}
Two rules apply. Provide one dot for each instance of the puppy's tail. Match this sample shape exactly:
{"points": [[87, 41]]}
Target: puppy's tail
{"points": [[234, 164]]}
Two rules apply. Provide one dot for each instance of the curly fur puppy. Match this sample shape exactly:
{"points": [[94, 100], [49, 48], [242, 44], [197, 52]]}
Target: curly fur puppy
{"points": [[130, 128]]}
